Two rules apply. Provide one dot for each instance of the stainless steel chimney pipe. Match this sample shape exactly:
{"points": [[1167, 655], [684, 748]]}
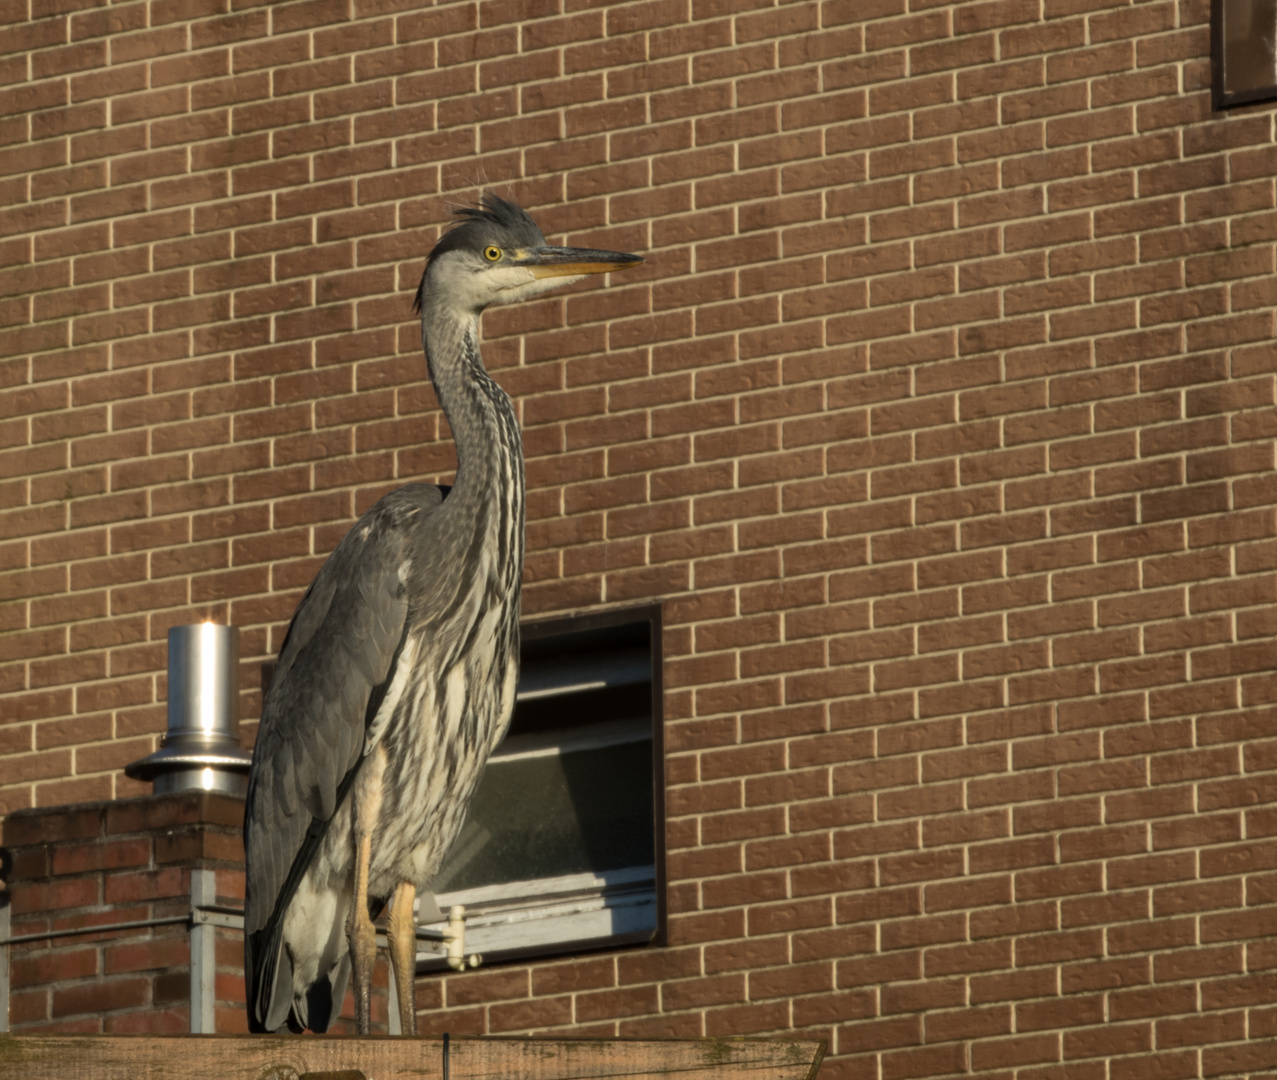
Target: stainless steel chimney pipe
{"points": [[200, 751]]}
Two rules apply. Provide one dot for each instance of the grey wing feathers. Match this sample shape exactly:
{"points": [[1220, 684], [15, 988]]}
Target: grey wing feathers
{"points": [[335, 664]]}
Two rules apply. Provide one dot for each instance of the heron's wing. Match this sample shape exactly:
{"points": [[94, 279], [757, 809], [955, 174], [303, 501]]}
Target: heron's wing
{"points": [[337, 659]]}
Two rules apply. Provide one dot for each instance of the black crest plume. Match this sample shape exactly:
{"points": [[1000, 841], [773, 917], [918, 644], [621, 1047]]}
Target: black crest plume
{"points": [[493, 220]]}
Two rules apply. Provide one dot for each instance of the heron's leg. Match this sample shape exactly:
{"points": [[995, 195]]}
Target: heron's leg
{"points": [[361, 933], [362, 936], [402, 934]]}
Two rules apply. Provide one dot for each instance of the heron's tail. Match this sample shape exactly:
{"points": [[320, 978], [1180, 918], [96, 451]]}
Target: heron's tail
{"points": [[269, 964], [268, 978]]}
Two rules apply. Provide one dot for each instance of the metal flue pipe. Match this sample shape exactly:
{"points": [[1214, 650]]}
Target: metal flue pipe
{"points": [[200, 751]]}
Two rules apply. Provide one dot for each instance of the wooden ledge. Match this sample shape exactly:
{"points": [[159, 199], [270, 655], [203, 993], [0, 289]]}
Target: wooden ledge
{"points": [[274, 1057]]}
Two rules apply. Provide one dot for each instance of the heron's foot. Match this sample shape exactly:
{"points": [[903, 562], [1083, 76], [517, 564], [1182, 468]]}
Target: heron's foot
{"points": [[401, 931], [363, 953]]}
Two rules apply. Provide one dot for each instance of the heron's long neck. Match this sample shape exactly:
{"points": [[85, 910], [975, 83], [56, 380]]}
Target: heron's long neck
{"points": [[484, 428]]}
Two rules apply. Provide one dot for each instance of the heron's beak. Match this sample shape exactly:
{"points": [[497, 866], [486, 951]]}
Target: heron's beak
{"points": [[574, 262]]}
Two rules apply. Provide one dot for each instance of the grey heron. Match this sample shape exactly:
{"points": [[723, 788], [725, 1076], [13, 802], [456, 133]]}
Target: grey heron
{"points": [[396, 678]]}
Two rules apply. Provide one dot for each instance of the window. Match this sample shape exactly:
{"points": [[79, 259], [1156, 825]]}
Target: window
{"points": [[1243, 52], [562, 849]]}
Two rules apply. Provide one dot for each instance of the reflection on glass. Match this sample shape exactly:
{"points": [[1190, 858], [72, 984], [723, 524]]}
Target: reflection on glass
{"points": [[554, 814], [1250, 37]]}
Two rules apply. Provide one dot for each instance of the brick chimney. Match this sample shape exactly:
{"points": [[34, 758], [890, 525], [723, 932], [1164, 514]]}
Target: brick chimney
{"points": [[101, 899]]}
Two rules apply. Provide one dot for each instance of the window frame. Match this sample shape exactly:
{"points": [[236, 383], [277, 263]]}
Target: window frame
{"points": [[584, 623], [1221, 99]]}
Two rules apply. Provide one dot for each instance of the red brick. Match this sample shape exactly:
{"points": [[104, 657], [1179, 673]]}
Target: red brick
{"points": [[47, 966]]}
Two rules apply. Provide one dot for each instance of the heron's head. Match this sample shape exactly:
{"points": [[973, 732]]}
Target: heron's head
{"points": [[496, 254]]}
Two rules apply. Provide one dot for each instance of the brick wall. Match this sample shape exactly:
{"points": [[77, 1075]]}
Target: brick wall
{"points": [[941, 416]]}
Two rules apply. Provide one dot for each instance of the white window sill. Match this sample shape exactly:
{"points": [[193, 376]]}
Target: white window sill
{"points": [[529, 918]]}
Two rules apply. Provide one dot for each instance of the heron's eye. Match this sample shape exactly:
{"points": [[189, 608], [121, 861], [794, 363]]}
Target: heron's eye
{"points": [[492, 253]]}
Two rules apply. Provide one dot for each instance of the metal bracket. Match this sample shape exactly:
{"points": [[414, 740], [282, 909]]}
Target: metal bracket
{"points": [[225, 918], [455, 938]]}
